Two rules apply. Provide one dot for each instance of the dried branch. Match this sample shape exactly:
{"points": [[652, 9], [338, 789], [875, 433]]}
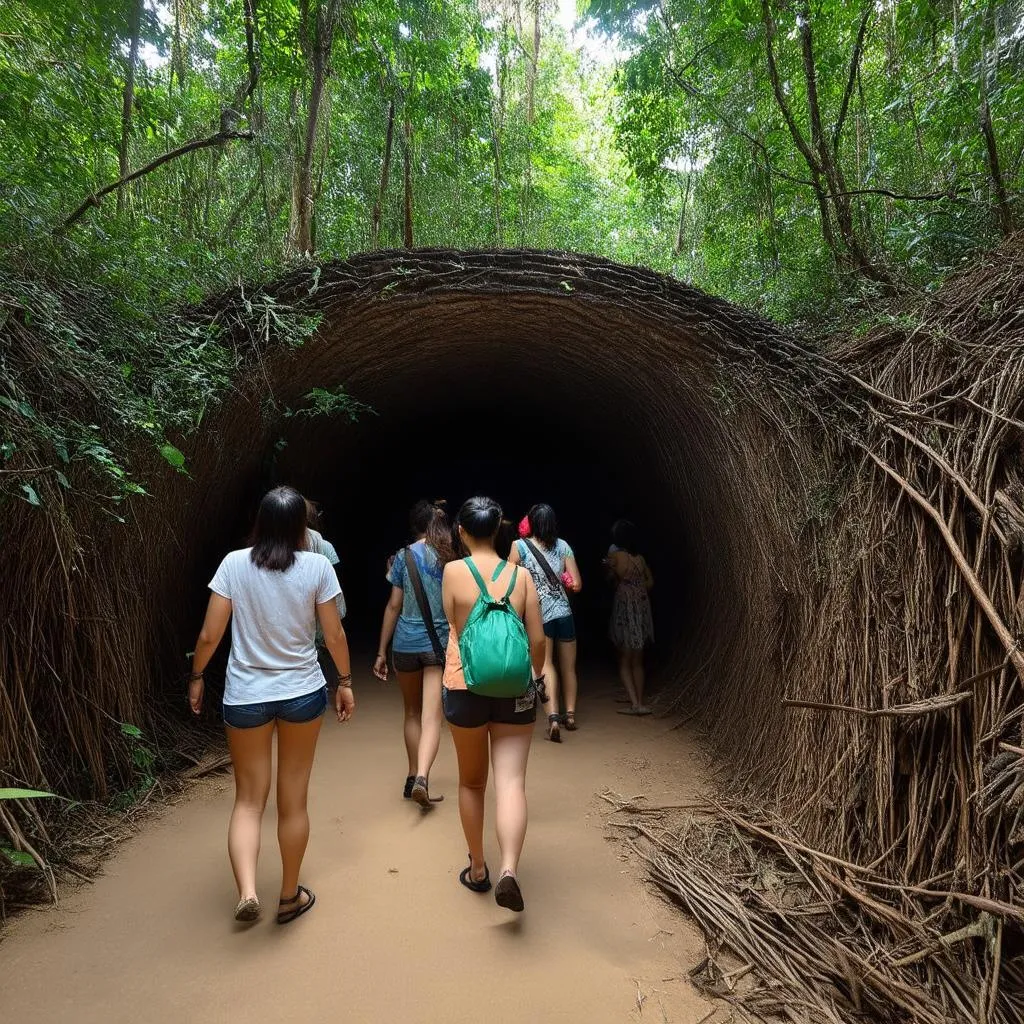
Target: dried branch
{"points": [[217, 139]]}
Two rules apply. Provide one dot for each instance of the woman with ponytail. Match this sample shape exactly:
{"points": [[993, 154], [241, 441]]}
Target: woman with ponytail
{"points": [[415, 621]]}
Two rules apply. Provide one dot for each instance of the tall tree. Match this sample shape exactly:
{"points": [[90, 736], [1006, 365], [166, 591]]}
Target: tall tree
{"points": [[128, 94], [317, 25]]}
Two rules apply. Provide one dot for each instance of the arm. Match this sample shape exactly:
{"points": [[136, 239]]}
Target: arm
{"points": [[337, 643], [387, 630], [448, 595], [218, 614], [573, 569], [513, 555], [534, 627]]}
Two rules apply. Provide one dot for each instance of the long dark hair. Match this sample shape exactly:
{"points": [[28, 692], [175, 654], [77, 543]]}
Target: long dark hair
{"points": [[626, 536], [480, 518], [429, 519], [543, 524], [280, 529]]}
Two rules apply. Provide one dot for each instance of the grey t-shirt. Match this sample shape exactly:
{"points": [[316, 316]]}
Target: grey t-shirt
{"points": [[315, 541], [273, 656]]}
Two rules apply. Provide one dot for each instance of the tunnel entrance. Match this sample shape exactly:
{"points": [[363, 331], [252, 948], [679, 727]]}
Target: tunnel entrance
{"points": [[603, 390]]}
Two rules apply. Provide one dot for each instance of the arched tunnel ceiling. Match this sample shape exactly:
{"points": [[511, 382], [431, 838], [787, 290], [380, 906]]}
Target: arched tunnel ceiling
{"points": [[538, 348]]}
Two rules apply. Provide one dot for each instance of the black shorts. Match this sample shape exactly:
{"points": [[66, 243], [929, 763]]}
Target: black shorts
{"points": [[470, 710], [562, 630], [413, 661]]}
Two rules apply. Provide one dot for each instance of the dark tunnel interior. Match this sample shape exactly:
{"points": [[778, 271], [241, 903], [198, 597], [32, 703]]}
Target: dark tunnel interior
{"points": [[518, 437]]}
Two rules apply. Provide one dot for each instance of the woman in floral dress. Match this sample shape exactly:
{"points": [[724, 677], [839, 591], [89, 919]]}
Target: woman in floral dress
{"points": [[632, 627]]}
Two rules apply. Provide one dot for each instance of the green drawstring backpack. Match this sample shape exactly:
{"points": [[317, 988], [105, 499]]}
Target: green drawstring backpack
{"points": [[494, 647]]}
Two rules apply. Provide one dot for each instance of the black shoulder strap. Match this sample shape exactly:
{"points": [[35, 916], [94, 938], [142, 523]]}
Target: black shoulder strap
{"points": [[553, 579], [421, 599]]}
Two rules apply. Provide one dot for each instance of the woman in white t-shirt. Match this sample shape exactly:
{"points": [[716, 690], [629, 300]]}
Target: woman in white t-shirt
{"points": [[273, 593]]}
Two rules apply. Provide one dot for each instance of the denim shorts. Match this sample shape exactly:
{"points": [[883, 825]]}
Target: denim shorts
{"points": [[306, 708], [413, 661], [561, 630]]}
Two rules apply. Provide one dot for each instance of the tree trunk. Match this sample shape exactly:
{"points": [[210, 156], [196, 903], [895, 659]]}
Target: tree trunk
{"points": [[1003, 210], [409, 244], [987, 71], [831, 167], [531, 88], [385, 174], [128, 98], [531, 67], [810, 158], [827, 177], [681, 229], [497, 127], [318, 51]]}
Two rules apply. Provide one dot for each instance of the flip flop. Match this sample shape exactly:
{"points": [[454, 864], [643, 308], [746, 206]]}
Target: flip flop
{"points": [[554, 733], [507, 893], [630, 711], [466, 878], [643, 709], [422, 796], [247, 910], [409, 782], [569, 721], [285, 916]]}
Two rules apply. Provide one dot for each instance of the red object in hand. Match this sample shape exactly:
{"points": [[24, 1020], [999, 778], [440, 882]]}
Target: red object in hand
{"points": [[524, 527], [568, 580]]}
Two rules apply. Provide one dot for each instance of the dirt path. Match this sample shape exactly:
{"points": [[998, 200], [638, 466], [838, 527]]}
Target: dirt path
{"points": [[394, 937]]}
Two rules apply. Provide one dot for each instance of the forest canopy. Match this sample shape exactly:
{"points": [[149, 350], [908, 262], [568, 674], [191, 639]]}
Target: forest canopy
{"points": [[804, 159], [768, 150]]}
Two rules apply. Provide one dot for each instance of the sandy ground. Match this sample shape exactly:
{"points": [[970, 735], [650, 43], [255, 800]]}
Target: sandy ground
{"points": [[393, 937]]}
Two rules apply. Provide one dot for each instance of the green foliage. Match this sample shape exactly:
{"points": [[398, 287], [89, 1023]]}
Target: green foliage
{"points": [[143, 761], [18, 858], [703, 129], [680, 158], [331, 402]]}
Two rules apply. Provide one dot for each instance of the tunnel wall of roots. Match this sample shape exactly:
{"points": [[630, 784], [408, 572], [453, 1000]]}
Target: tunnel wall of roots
{"points": [[787, 474]]}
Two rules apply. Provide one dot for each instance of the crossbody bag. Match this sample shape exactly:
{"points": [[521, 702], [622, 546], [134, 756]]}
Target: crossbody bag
{"points": [[553, 578], [413, 571]]}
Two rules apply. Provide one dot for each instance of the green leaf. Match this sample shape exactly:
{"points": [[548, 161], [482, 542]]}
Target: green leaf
{"points": [[175, 457], [23, 794], [131, 730], [30, 495], [17, 857]]}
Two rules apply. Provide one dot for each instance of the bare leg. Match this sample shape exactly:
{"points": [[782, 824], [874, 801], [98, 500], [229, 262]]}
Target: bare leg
{"points": [[471, 751], [411, 685], [510, 749], [637, 667], [551, 683], [430, 719], [567, 666], [626, 675], [296, 744], [250, 759]]}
